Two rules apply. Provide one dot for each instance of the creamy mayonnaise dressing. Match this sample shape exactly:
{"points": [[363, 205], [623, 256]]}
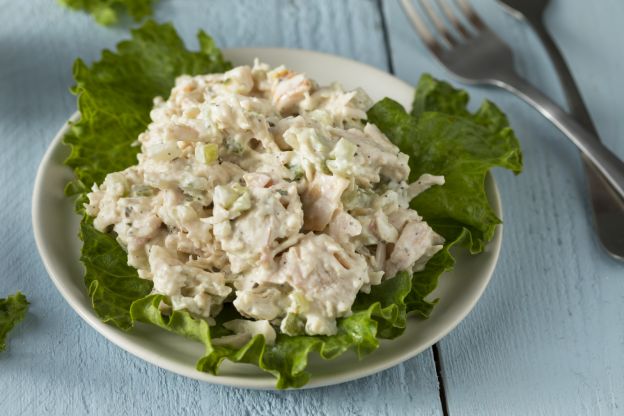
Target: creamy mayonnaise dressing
{"points": [[261, 188]]}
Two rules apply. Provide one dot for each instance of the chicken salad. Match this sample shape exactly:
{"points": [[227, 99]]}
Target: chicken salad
{"points": [[259, 187]]}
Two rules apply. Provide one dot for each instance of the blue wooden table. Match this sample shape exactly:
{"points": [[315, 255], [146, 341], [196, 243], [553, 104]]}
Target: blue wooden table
{"points": [[547, 338]]}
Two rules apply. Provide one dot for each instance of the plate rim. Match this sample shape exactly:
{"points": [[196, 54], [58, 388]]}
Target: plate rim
{"points": [[113, 334]]}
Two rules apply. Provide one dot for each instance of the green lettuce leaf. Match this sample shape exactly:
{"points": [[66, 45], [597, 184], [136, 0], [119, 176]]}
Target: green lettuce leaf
{"points": [[439, 96], [443, 138], [112, 284], [115, 97], [12, 311], [106, 12]]}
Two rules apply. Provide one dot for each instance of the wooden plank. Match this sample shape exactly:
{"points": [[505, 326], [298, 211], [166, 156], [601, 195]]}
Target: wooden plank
{"points": [[547, 336], [56, 363]]}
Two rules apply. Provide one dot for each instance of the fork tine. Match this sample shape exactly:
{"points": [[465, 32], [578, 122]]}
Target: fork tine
{"points": [[437, 22], [448, 12], [421, 28], [471, 14]]}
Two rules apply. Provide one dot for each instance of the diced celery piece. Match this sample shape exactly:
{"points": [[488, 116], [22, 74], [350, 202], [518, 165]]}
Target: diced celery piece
{"points": [[297, 171], [292, 325], [341, 157], [142, 190], [232, 146], [235, 199], [207, 153], [242, 203]]}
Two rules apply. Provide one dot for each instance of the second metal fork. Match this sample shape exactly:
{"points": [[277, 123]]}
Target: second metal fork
{"points": [[476, 55]]}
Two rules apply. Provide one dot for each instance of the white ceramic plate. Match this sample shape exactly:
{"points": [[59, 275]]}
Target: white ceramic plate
{"points": [[56, 226]]}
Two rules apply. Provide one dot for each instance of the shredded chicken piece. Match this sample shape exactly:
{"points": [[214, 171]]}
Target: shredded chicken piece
{"points": [[321, 199], [417, 241]]}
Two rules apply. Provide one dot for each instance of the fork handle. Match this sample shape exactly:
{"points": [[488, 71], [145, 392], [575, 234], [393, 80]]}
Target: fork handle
{"points": [[605, 161], [573, 96]]}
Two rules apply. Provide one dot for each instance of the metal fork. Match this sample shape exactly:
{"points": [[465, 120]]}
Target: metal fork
{"points": [[476, 55], [607, 208]]}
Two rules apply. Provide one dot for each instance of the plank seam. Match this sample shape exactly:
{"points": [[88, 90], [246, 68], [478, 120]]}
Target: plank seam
{"points": [[386, 37], [438, 367]]}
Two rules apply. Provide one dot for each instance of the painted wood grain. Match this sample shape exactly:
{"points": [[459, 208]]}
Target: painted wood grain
{"points": [[56, 364], [547, 338]]}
